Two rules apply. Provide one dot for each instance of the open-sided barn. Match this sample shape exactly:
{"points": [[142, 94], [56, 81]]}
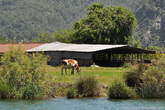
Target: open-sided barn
{"points": [[87, 54]]}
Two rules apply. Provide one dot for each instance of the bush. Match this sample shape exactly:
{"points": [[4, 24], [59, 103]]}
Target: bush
{"points": [[71, 92], [149, 80], [31, 91], [20, 72], [153, 85], [133, 77], [87, 87], [119, 90], [5, 89], [152, 90], [127, 65]]}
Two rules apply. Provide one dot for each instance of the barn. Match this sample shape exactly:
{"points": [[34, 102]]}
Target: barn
{"points": [[87, 54]]}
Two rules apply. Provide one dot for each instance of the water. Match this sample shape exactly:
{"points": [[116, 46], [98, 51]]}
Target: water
{"points": [[82, 104]]}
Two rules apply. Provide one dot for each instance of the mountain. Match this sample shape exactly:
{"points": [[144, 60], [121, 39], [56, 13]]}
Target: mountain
{"points": [[25, 19], [151, 23]]}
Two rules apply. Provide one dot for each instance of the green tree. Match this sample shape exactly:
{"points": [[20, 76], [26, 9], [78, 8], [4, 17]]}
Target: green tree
{"points": [[3, 40], [111, 25], [43, 37], [65, 35]]}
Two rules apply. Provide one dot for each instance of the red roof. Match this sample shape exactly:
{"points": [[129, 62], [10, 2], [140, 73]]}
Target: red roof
{"points": [[27, 46]]}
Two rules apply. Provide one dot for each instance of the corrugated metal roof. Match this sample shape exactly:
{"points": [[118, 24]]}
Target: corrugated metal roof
{"points": [[58, 46]]}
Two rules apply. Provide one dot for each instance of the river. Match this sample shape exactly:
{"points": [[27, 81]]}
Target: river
{"points": [[82, 104]]}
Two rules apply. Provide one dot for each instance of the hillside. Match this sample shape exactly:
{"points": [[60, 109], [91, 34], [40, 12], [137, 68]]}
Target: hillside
{"points": [[24, 19], [151, 21]]}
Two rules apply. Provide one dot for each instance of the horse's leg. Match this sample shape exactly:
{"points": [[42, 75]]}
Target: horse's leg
{"points": [[66, 71], [73, 70], [62, 70]]}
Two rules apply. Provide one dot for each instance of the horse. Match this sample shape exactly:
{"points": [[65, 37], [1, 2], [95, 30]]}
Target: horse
{"points": [[68, 64]]}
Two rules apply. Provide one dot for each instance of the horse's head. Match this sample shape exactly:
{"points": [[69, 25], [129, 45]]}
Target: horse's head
{"points": [[79, 70]]}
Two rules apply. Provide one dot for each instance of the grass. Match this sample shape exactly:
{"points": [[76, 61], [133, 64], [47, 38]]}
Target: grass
{"points": [[105, 75]]}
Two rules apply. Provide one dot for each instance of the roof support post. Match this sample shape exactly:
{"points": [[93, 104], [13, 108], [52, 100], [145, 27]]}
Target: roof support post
{"points": [[60, 57], [137, 57], [132, 57], [142, 60], [109, 57]]}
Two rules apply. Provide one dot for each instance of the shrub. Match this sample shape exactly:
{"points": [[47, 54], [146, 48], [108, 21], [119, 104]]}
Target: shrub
{"points": [[20, 72], [152, 90], [127, 65], [87, 87], [31, 91], [149, 80], [153, 85], [133, 77], [5, 89], [119, 90], [71, 92]]}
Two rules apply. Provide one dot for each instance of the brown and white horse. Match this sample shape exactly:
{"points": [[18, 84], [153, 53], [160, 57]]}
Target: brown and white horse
{"points": [[70, 63]]}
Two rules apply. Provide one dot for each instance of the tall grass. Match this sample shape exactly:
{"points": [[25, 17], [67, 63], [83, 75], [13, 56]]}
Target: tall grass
{"points": [[22, 74], [71, 92], [133, 77], [86, 86], [119, 90], [148, 80], [153, 85], [152, 90]]}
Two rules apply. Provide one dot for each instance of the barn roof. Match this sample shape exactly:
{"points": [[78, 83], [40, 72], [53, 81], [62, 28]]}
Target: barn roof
{"points": [[27, 46], [66, 47]]}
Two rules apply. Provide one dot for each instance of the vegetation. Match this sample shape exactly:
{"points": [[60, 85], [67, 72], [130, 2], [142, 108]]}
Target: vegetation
{"points": [[119, 90], [85, 87], [111, 25], [24, 19], [148, 80], [152, 89], [65, 85], [104, 75], [71, 92], [22, 75], [133, 77], [28, 76], [154, 79], [150, 17]]}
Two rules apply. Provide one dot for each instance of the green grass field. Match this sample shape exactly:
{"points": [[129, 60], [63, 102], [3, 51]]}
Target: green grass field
{"points": [[105, 75]]}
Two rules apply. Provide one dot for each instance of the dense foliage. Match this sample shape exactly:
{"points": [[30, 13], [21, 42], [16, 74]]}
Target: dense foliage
{"points": [[149, 80], [111, 25], [24, 19], [119, 90], [85, 87], [22, 75]]}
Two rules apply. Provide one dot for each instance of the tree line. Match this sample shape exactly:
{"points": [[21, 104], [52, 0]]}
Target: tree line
{"points": [[103, 25], [24, 20]]}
